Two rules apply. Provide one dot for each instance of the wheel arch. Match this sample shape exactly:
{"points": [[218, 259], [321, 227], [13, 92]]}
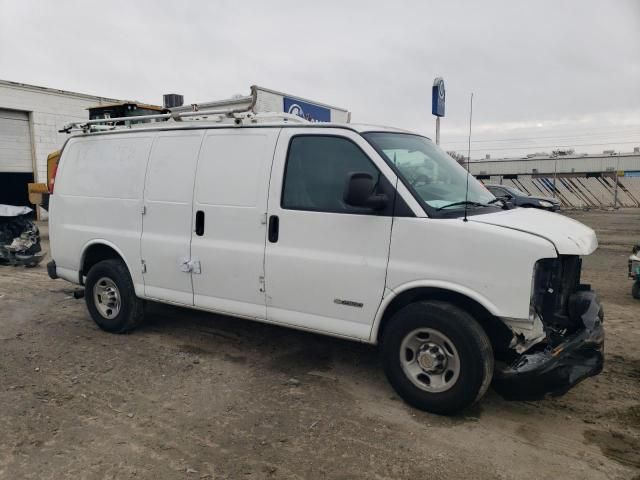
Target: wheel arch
{"points": [[478, 307], [97, 250]]}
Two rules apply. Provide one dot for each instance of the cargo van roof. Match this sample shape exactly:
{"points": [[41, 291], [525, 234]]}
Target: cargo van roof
{"points": [[201, 124], [242, 117]]}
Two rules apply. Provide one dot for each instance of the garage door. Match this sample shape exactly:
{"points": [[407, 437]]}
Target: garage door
{"points": [[15, 142]]}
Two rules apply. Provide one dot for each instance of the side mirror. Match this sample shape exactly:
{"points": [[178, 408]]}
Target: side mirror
{"points": [[359, 192]]}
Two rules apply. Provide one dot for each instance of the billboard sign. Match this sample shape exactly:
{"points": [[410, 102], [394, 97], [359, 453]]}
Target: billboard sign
{"points": [[437, 97], [306, 110]]}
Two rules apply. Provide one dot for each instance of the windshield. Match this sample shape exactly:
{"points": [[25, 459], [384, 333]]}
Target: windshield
{"points": [[516, 192], [434, 176]]}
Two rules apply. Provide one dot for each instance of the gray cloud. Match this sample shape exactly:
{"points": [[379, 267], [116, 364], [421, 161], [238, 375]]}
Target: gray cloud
{"points": [[543, 73]]}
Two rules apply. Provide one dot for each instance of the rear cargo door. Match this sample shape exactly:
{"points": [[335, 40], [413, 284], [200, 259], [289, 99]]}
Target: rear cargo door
{"points": [[229, 230], [167, 212]]}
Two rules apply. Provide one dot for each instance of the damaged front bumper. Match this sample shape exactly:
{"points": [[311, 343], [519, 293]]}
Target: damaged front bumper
{"points": [[561, 364]]}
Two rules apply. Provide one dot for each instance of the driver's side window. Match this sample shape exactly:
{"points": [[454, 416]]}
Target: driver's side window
{"points": [[317, 170]]}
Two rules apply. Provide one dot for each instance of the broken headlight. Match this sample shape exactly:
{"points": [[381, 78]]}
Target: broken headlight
{"points": [[554, 280]]}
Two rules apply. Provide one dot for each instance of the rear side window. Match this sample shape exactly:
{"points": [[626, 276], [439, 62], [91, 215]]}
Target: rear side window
{"points": [[317, 170]]}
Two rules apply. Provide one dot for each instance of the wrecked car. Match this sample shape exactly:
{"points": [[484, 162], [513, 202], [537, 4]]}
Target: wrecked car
{"points": [[365, 233], [19, 237]]}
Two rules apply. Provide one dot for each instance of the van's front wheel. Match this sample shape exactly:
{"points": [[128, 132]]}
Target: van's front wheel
{"points": [[111, 298], [437, 357]]}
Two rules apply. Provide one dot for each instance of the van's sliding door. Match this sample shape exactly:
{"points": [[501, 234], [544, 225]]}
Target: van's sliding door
{"points": [[229, 220]]}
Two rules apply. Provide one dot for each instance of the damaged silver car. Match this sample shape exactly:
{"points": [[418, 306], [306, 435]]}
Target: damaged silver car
{"points": [[19, 237]]}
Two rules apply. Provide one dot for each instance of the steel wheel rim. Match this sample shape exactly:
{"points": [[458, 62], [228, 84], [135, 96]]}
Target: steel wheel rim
{"points": [[106, 298], [430, 360]]}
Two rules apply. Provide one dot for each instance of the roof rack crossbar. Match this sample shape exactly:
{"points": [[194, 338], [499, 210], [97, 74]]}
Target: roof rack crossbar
{"points": [[86, 125], [283, 115], [202, 113], [239, 114]]}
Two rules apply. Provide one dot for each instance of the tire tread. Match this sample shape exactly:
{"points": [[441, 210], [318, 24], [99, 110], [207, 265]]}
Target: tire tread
{"points": [[134, 307], [476, 343]]}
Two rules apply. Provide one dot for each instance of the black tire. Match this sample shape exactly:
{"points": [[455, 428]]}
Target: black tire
{"points": [[635, 290], [131, 310], [469, 340]]}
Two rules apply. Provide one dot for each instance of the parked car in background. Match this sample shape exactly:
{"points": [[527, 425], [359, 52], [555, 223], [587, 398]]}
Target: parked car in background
{"points": [[520, 199]]}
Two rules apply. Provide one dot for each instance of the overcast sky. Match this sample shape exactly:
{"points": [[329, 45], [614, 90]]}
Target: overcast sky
{"points": [[544, 74]]}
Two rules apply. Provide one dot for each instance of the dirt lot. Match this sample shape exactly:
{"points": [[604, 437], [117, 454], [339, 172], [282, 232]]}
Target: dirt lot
{"points": [[192, 395]]}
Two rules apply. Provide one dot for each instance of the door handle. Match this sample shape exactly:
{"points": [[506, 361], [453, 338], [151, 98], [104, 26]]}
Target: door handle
{"points": [[274, 228], [199, 223]]}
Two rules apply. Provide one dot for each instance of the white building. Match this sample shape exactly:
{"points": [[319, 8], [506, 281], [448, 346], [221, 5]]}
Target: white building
{"points": [[578, 181], [570, 164], [30, 118]]}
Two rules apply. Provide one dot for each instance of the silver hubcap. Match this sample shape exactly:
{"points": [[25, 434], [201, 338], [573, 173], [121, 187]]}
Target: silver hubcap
{"points": [[106, 298], [430, 360]]}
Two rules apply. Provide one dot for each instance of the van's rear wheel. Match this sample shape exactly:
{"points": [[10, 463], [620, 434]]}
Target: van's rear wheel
{"points": [[111, 297], [437, 357]]}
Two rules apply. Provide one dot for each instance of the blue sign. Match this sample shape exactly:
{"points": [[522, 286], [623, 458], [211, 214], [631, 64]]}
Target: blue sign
{"points": [[309, 111], [437, 97]]}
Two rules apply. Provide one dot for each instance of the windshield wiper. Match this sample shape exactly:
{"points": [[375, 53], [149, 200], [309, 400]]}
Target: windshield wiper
{"points": [[463, 202], [495, 200]]}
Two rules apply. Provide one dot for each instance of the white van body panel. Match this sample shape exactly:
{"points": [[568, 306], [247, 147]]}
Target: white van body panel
{"points": [[490, 265], [231, 191], [139, 287], [167, 218], [569, 236], [99, 199]]}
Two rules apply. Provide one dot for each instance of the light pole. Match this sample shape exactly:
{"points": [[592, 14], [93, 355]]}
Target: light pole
{"points": [[615, 189], [555, 174]]}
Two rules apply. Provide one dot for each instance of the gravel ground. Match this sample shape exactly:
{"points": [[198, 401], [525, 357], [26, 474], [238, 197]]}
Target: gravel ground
{"points": [[193, 395]]}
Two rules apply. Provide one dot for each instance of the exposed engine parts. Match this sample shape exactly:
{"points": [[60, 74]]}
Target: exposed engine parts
{"points": [[19, 237]]}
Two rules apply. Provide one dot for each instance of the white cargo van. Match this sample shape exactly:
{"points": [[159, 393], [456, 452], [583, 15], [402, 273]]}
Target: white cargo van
{"points": [[365, 233]]}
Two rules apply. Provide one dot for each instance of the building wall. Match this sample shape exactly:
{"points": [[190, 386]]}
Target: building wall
{"points": [[585, 164], [578, 191], [49, 110]]}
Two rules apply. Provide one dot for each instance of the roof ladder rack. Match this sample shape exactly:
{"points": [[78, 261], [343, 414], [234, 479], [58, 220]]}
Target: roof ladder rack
{"points": [[239, 115]]}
